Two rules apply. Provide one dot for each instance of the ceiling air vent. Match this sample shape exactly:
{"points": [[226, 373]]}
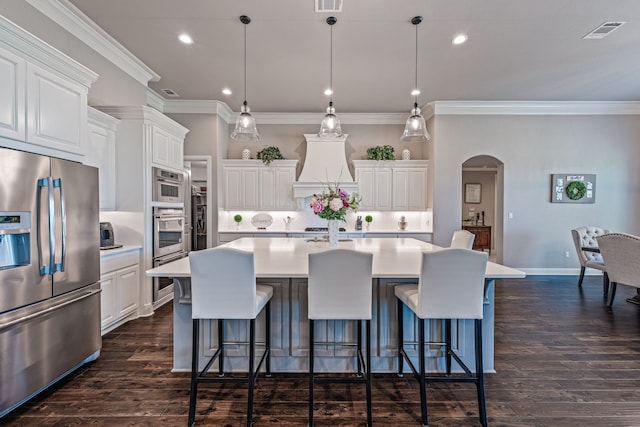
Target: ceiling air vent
{"points": [[328, 5], [170, 92], [604, 30]]}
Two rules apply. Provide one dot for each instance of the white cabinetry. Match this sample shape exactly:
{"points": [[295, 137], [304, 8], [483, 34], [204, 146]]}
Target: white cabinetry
{"points": [[167, 148], [43, 96], [252, 185], [390, 185], [120, 284], [101, 153]]}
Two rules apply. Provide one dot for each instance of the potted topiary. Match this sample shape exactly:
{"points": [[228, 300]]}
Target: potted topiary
{"points": [[368, 219], [269, 154], [238, 219]]}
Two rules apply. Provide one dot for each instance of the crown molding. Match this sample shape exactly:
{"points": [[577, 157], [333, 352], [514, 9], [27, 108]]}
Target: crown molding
{"points": [[80, 25], [536, 108], [154, 100], [18, 40], [144, 113], [178, 106]]}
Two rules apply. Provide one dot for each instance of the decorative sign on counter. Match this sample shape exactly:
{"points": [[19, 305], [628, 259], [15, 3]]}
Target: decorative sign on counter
{"points": [[262, 220], [573, 188]]}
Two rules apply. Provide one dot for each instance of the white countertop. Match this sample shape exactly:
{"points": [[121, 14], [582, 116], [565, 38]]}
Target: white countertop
{"points": [[117, 251], [288, 257], [302, 231]]}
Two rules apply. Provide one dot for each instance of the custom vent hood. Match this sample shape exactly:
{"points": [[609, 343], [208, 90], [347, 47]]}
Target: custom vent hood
{"points": [[325, 163]]}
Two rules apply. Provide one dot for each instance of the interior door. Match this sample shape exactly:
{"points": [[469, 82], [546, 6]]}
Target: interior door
{"points": [[77, 225]]}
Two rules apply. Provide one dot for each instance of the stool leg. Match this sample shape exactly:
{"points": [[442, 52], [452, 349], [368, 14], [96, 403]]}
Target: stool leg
{"points": [[482, 408], [400, 338], [613, 287], [252, 374], [267, 339], [581, 276], [221, 346], [368, 372], [423, 381], [447, 340], [311, 338], [194, 372], [605, 283], [359, 346]]}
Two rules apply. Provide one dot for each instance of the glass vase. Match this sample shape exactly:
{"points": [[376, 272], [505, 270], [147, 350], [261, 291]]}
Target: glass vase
{"points": [[333, 226]]}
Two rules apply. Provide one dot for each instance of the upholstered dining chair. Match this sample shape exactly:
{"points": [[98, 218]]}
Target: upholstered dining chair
{"points": [[462, 239], [340, 288], [446, 291], [223, 286], [585, 237], [621, 253]]}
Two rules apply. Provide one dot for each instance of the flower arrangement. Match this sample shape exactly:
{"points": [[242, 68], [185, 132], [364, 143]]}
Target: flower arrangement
{"points": [[334, 203]]}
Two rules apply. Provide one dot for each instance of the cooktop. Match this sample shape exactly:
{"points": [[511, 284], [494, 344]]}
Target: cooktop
{"points": [[321, 229]]}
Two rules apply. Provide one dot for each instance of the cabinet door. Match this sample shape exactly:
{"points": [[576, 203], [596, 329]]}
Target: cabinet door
{"points": [[161, 147], [267, 191], [101, 153], [284, 188], [382, 182], [233, 198], [56, 111], [366, 188], [127, 290], [12, 94], [417, 189], [107, 299], [176, 153], [250, 187]]}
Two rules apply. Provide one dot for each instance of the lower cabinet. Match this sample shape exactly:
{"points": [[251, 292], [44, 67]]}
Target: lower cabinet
{"points": [[120, 284]]}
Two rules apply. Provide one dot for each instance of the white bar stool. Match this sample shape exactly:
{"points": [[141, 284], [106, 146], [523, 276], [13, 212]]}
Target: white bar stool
{"points": [[462, 239], [340, 288], [223, 286], [451, 286]]}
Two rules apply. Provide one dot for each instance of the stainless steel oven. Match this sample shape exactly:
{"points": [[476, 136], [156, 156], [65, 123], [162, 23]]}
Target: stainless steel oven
{"points": [[163, 286], [167, 186], [168, 231]]}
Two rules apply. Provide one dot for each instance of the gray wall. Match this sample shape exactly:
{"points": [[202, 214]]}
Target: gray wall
{"points": [[532, 148]]}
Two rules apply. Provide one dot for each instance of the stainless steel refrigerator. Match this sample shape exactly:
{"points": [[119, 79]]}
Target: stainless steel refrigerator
{"points": [[49, 272]]}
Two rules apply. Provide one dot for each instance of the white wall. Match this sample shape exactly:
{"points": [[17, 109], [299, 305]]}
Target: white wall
{"points": [[532, 148]]}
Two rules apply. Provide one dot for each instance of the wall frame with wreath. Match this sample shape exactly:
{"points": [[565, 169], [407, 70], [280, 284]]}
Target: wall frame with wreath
{"points": [[573, 188]]}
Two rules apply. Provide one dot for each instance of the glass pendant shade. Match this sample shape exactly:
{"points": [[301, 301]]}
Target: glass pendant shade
{"points": [[330, 125], [245, 126], [416, 128]]}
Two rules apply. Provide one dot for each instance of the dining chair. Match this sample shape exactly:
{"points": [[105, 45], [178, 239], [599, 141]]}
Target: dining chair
{"points": [[462, 239], [445, 291], [340, 288], [621, 253], [585, 237], [223, 286]]}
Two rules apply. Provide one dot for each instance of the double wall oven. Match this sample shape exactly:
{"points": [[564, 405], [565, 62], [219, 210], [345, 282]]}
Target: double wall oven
{"points": [[168, 245]]}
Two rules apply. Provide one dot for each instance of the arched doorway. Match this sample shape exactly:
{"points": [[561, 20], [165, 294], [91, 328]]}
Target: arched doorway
{"points": [[483, 197]]}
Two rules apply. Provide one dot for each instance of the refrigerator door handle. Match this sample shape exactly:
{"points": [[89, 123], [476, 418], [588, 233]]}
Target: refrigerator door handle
{"points": [[46, 268], [57, 183]]}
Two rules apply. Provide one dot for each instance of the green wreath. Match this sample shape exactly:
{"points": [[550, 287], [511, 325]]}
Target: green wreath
{"points": [[576, 190]]}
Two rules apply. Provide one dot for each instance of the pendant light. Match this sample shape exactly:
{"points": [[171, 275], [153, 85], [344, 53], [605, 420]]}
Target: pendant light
{"points": [[416, 128], [330, 125], [245, 124]]}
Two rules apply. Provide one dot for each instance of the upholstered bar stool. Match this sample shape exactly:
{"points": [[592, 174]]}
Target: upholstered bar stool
{"points": [[462, 239], [223, 286], [340, 288], [451, 286]]}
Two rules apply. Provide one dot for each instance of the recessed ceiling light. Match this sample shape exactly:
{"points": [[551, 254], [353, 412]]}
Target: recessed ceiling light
{"points": [[415, 92], [459, 39], [328, 92], [185, 38], [226, 91]]}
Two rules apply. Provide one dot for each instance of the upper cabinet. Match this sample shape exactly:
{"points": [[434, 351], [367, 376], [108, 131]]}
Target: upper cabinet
{"points": [[43, 96], [252, 185], [101, 153], [392, 185]]}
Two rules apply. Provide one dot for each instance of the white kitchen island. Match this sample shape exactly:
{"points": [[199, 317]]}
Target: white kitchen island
{"points": [[283, 264]]}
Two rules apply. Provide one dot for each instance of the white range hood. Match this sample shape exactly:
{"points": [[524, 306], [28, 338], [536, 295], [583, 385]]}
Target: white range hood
{"points": [[325, 163]]}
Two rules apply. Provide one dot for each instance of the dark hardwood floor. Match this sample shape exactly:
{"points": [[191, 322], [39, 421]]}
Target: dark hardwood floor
{"points": [[562, 359]]}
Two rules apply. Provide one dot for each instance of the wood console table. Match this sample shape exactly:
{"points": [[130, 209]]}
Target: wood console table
{"points": [[483, 236]]}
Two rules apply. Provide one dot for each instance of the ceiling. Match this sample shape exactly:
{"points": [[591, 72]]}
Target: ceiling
{"points": [[517, 50]]}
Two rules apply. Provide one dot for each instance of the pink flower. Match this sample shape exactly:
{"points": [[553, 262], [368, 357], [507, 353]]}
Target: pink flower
{"points": [[317, 207], [336, 204], [343, 194]]}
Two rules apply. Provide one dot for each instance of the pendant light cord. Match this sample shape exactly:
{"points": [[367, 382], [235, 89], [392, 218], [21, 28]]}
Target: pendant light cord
{"points": [[245, 64], [331, 64], [416, 86]]}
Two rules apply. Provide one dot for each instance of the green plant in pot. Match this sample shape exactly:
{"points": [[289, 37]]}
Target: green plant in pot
{"points": [[381, 152], [269, 154], [238, 219], [368, 220]]}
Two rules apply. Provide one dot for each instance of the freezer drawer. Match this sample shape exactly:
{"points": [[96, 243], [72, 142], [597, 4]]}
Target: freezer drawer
{"points": [[43, 342]]}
